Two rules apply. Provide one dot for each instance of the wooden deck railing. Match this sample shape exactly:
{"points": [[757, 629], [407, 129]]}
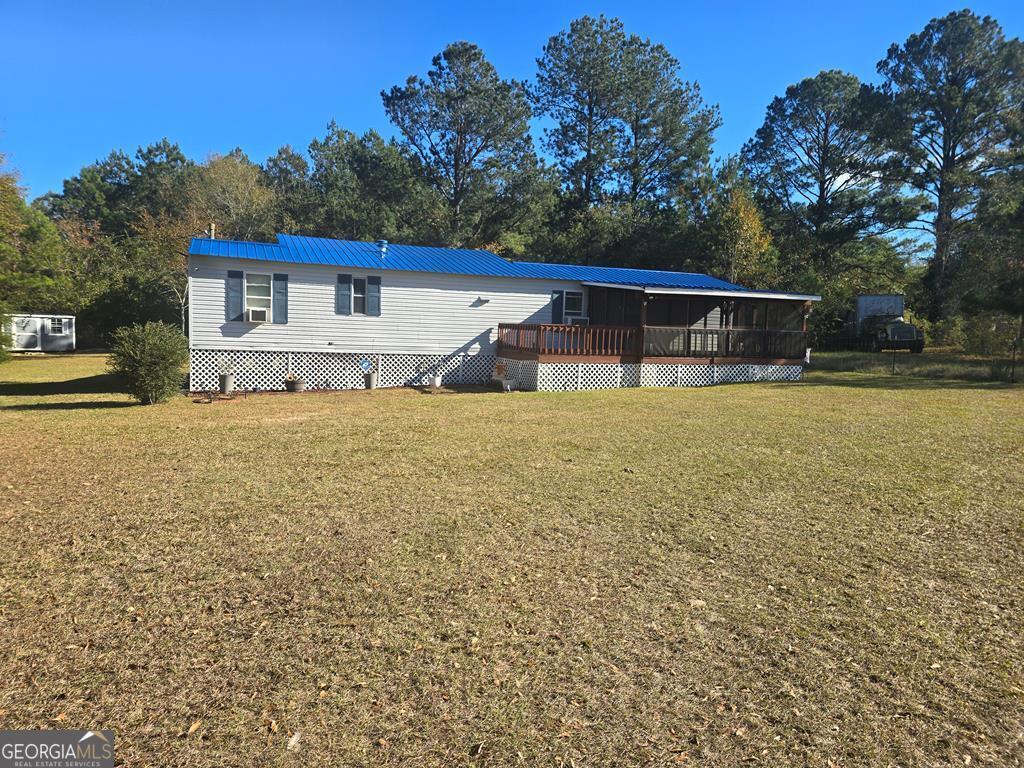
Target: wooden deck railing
{"points": [[649, 341], [550, 339]]}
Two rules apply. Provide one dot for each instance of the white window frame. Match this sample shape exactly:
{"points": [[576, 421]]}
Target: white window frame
{"points": [[352, 300], [566, 314], [245, 295], [63, 326]]}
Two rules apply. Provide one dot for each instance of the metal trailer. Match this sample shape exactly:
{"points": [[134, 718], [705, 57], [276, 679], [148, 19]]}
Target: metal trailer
{"points": [[876, 305], [42, 333]]}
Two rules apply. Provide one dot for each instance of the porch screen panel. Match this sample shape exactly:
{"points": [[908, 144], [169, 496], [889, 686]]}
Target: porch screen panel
{"points": [[785, 316], [613, 308], [659, 310], [597, 305], [705, 318], [666, 342], [631, 307]]}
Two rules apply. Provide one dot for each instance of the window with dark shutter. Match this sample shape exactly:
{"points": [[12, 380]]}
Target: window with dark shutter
{"points": [[343, 295], [279, 312], [373, 295], [234, 296], [558, 307], [359, 296]]}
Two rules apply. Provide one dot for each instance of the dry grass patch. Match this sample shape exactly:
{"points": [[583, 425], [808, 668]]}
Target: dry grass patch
{"points": [[931, 364], [823, 573]]}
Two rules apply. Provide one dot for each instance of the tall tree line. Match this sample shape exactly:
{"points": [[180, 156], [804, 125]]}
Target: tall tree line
{"points": [[604, 158]]}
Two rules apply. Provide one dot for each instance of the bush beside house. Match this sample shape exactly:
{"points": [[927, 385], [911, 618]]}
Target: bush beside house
{"points": [[150, 358]]}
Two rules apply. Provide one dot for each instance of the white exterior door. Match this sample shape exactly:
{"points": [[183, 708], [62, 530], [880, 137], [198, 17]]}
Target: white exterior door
{"points": [[28, 333]]}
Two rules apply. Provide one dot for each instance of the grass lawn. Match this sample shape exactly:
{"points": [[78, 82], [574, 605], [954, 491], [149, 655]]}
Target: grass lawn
{"points": [[932, 364], [820, 573]]}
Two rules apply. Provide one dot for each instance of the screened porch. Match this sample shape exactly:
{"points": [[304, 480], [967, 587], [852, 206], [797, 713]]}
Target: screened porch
{"points": [[636, 325]]}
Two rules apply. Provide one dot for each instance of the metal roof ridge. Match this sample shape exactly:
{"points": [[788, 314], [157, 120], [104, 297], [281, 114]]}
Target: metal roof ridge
{"points": [[230, 240], [607, 266], [373, 244]]}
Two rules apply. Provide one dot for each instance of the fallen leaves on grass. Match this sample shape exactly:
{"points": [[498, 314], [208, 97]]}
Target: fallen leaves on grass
{"points": [[771, 583]]}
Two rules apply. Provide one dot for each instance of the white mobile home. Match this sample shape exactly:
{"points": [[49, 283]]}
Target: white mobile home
{"points": [[324, 310], [42, 333]]}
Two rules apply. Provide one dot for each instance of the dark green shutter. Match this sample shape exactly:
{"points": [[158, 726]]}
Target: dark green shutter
{"points": [[234, 296], [280, 299], [343, 295], [558, 307], [373, 296]]}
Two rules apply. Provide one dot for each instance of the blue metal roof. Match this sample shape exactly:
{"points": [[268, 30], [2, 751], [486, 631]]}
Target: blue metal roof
{"points": [[458, 261], [235, 249], [649, 278], [416, 258]]}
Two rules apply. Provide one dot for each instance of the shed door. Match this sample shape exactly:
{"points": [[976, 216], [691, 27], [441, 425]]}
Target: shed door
{"points": [[28, 333]]}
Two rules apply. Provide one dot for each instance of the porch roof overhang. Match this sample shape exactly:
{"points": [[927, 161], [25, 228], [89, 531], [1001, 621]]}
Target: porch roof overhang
{"points": [[709, 292]]}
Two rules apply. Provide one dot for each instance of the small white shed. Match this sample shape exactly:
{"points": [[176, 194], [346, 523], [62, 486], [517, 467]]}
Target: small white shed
{"points": [[42, 333]]}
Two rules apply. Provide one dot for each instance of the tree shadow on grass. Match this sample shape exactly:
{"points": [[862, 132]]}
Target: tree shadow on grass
{"points": [[101, 383], [81, 405]]}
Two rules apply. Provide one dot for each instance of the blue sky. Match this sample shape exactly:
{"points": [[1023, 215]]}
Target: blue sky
{"points": [[84, 78]]}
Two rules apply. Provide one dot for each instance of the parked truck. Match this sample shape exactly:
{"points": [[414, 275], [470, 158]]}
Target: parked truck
{"points": [[876, 323]]}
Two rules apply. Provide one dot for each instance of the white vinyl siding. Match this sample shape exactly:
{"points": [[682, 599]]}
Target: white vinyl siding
{"points": [[423, 312]]}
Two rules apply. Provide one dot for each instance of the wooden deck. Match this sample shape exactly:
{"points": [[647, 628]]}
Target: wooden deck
{"points": [[651, 344]]}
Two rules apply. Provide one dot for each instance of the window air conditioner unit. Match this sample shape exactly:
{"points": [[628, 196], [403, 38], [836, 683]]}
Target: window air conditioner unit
{"points": [[257, 315], [579, 321]]}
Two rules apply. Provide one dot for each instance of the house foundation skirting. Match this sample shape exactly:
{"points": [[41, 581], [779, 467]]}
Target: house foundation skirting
{"points": [[544, 376], [261, 370]]}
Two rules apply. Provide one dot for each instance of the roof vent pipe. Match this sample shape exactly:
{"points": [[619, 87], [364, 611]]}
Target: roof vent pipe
{"points": [[383, 245]]}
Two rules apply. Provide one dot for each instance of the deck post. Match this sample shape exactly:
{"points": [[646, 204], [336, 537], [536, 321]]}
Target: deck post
{"points": [[643, 325]]}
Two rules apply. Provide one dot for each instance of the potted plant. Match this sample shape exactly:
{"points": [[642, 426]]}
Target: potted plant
{"points": [[226, 376], [293, 383], [434, 380]]}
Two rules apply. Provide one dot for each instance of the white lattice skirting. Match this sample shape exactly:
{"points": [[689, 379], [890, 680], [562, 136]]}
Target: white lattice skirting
{"points": [[531, 375], [258, 370]]}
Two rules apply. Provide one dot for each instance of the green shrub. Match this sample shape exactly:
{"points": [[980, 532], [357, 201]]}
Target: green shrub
{"points": [[150, 359], [989, 334], [947, 333], [5, 334]]}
